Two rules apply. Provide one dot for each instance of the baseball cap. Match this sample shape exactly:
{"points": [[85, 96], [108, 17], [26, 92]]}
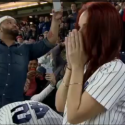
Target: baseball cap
{"points": [[4, 18]]}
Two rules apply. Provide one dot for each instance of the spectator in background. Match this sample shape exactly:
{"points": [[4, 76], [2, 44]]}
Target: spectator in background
{"points": [[41, 37], [32, 32], [27, 32], [35, 79], [21, 33], [46, 25], [66, 28], [62, 31], [118, 7], [32, 39], [40, 25], [23, 29], [20, 39], [72, 16], [65, 19], [19, 57], [31, 85], [45, 34]]}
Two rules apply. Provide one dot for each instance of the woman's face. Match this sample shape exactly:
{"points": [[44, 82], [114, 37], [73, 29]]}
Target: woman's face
{"points": [[83, 20], [46, 19], [32, 65]]}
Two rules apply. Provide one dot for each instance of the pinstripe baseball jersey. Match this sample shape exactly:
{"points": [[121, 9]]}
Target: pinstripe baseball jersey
{"points": [[29, 112], [107, 86]]}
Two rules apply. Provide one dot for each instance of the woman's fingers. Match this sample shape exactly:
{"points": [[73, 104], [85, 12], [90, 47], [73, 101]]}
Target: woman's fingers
{"points": [[66, 44], [72, 38], [81, 41], [48, 78], [69, 44], [76, 39]]}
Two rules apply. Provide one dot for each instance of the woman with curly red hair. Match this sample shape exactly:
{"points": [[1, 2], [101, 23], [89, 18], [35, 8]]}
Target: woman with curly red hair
{"points": [[93, 87]]}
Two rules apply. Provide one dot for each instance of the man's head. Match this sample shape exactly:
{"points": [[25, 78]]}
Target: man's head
{"points": [[20, 39], [47, 19], [45, 34], [73, 7], [41, 19], [33, 65], [8, 26], [31, 39], [41, 37], [118, 7]]}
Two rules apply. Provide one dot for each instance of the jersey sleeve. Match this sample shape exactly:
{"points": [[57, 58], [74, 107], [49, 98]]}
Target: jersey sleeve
{"points": [[107, 84]]}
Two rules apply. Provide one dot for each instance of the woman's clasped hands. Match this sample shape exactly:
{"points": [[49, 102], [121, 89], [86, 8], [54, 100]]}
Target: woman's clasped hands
{"points": [[75, 54]]}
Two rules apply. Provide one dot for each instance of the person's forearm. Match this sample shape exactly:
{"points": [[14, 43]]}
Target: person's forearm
{"points": [[54, 31], [61, 95], [41, 96], [75, 92], [46, 92]]}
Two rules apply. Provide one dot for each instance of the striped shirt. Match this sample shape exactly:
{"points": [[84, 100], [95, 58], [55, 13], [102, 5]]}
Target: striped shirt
{"points": [[107, 86], [29, 113]]}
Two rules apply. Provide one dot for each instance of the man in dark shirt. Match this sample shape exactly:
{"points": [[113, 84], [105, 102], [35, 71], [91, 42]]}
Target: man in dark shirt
{"points": [[14, 58], [73, 16], [46, 25], [40, 25]]}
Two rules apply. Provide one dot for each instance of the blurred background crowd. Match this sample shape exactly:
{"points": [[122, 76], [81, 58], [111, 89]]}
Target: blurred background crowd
{"points": [[38, 29]]}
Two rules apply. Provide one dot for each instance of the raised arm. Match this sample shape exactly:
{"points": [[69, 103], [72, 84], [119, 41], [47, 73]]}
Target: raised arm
{"points": [[40, 48], [54, 29]]}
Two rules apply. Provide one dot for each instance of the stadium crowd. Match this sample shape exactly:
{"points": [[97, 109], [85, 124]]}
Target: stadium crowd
{"points": [[82, 81]]}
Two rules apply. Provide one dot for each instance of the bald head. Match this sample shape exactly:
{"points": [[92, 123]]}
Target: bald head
{"points": [[8, 26], [5, 18]]}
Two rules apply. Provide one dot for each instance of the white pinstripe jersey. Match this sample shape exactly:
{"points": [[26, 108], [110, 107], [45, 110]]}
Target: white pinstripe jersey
{"points": [[29, 112], [107, 86]]}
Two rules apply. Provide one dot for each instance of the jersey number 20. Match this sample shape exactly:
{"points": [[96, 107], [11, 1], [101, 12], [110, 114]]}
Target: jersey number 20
{"points": [[34, 106]]}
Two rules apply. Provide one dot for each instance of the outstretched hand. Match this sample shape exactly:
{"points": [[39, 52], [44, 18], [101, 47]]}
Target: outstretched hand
{"points": [[57, 15]]}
